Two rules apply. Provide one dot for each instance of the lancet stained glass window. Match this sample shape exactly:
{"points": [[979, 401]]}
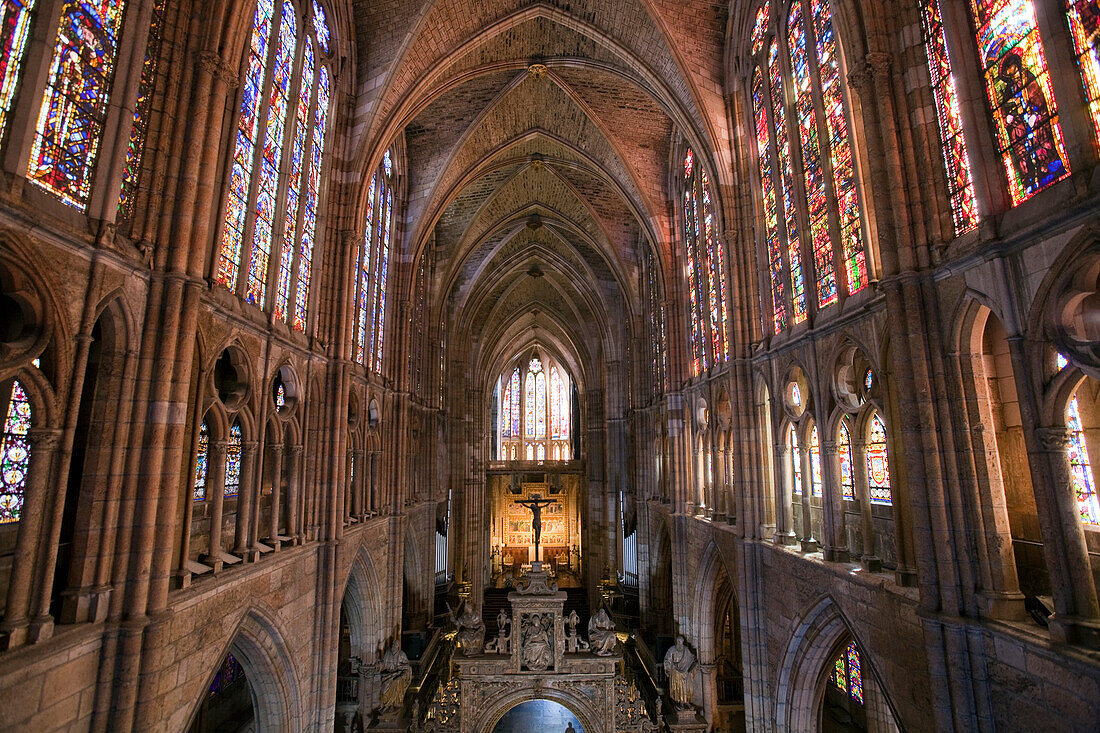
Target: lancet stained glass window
{"points": [[15, 454], [1084, 25], [201, 456], [786, 179], [847, 674], [1084, 481], [373, 267], [760, 27], [960, 180], [878, 462], [540, 405], [275, 173], [15, 23], [706, 270], [233, 461], [135, 150], [767, 190], [796, 462], [815, 463], [844, 451], [1020, 95], [74, 105], [543, 424]]}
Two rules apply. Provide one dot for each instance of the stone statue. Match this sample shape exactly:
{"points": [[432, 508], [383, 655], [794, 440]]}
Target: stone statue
{"points": [[396, 675], [573, 642], [601, 633], [538, 648], [471, 630], [535, 504], [502, 644], [679, 664]]}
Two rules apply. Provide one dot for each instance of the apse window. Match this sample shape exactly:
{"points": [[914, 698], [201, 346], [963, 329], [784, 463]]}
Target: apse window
{"points": [[533, 410]]}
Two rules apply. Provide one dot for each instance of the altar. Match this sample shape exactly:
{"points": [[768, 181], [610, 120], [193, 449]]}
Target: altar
{"points": [[512, 534]]}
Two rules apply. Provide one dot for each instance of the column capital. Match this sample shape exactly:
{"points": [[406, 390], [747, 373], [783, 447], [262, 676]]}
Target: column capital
{"points": [[43, 438], [214, 65], [296, 450], [829, 447], [1053, 438]]}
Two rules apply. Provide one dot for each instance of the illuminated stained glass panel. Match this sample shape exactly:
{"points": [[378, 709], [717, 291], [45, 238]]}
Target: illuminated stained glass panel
{"points": [[1084, 481], [813, 170], [844, 450], [271, 157], [760, 27], [840, 673], [843, 164], [131, 169], [513, 390], [786, 179], [540, 405], [562, 409], [540, 452], [555, 402], [312, 194], [199, 484], [15, 454], [383, 268], [363, 315], [320, 27], [15, 22], [960, 180], [280, 398], [529, 406], [506, 411], [796, 462], [1084, 25], [293, 189], [698, 338], [719, 326], [233, 461], [1018, 86], [855, 674], [229, 672], [767, 190], [248, 125], [74, 104], [815, 463], [878, 462]]}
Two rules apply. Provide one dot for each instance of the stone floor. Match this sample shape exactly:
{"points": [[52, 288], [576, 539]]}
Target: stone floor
{"points": [[543, 716]]}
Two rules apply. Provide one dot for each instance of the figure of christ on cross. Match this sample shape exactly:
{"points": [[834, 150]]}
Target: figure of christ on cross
{"points": [[535, 504]]}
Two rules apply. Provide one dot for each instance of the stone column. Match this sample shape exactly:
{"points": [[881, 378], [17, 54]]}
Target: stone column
{"points": [[784, 516], [870, 562], [836, 540], [1076, 609], [276, 454], [809, 544], [215, 490], [15, 629], [294, 495], [243, 544]]}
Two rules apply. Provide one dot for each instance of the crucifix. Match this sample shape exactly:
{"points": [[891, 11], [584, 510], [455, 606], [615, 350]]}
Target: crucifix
{"points": [[535, 504]]}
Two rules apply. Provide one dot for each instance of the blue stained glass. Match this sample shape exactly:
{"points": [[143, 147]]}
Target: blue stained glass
{"points": [[786, 189], [815, 463], [1084, 483], [297, 153], [313, 185], [15, 454], [540, 405], [383, 266], [270, 158], [74, 105], [229, 672], [240, 174], [15, 23], [844, 449], [796, 462], [855, 674], [233, 461], [199, 484], [320, 26], [135, 150], [513, 390], [364, 274]]}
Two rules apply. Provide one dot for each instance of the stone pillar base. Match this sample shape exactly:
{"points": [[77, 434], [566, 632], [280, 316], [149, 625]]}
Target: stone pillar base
{"points": [[1075, 630]]}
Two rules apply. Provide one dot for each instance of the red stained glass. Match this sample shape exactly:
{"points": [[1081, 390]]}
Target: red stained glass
{"points": [[294, 182], [844, 450], [131, 170], [815, 463], [1020, 95], [786, 179], [199, 482], [767, 190], [74, 105], [796, 462], [760, 27], [1084, 482], [15, 23], [878, 462], [15, 454], [362, 316], [1084, 25]]}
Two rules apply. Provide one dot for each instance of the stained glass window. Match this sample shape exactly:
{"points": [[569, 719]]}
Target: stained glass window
{"points": [[136, 148], [555, 403], [844, 450], [767, 189], [847, 674], [786, 180], [1084, 481], [199, 484], [960, 181], [540, 405], [275, 178], [1020, 95], [529, 406], [15, 23], [229, 672], [374, 267], [530, 451], [815, 463], [658, 345], [540, 452], [813, 171], [868, 379], [233, 461], [514, 399], [796, 462], [1060, 361], [706, 270], [15, 454], [878, 462], [760, 27], [545, 417], [74, 105], [1084, 24], [280, 397]]}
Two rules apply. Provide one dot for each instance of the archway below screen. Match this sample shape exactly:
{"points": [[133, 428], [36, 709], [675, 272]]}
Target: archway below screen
{"points": [[541, 715]]}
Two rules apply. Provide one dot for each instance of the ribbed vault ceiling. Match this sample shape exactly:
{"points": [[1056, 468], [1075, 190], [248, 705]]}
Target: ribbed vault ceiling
{"points": [[537, 141]]}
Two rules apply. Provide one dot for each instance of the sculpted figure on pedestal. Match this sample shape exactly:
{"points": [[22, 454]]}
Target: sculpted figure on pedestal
{"points": [[396, 675], [601, 633], [471, 630], [679, 664]]}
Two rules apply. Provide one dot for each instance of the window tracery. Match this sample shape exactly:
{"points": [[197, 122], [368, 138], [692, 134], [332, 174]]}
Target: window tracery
{"points": [[373, 268], [706, 270], [542, 424], [280, 133], [847, 674]]}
